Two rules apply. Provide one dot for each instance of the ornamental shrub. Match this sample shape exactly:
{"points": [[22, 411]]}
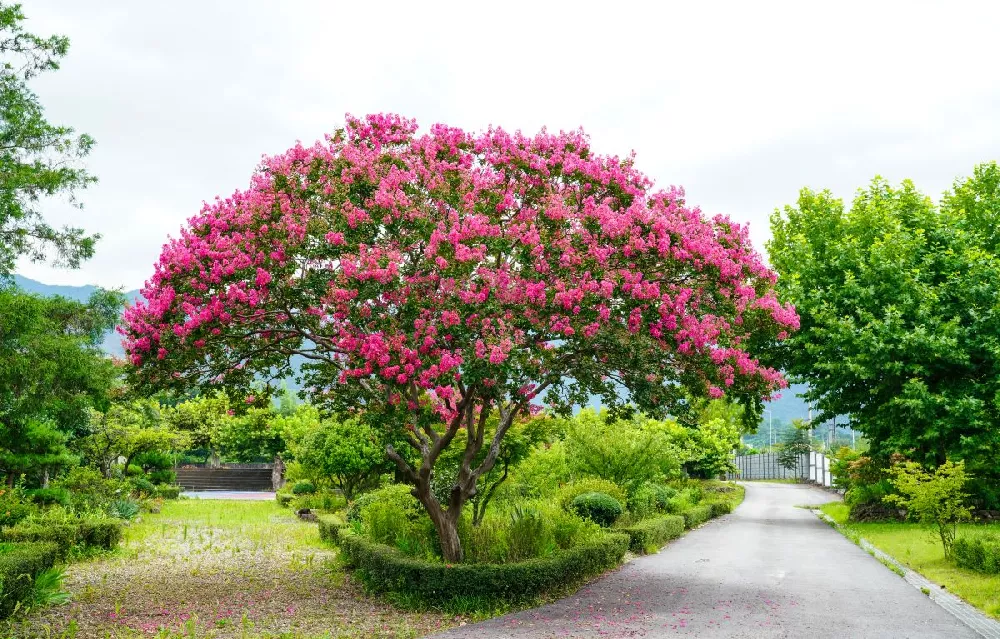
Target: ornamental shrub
{"points": [[648, 535], [979, 553], [697, 515], [284, 499], [67, 533], [330, 527], [936, 498], [322, 500], [14, 506], [162, 476], [303, 487], [143, 486], [570, 491], [19, 565], [599, 508], [49, 496], [167, 491], [385, 569]]}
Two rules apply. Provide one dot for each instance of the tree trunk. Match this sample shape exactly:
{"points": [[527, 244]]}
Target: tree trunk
{"points": [[214, 461], [446, 524], [45, 477]]}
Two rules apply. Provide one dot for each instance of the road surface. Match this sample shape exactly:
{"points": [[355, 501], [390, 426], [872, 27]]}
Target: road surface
{"points": [[767, 570]]}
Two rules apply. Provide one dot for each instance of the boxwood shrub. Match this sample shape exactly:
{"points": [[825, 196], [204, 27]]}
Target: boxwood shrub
{"points": [[600, 508], [330, 527], [978, 553], [167, 491], [720, 508], [650, 534], [86, 533], [697, 515], [19, 565], [385, 569], [284, 499]]}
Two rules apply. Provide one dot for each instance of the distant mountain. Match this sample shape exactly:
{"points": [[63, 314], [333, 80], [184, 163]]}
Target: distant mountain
{"points": [[112, 341]]}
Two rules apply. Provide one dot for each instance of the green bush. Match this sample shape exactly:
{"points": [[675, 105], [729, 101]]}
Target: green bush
{"points": [[20, 564], [533, 529], [167, 491], [162, 476], [394, 517], [68, 533], [330, 527], [303, 487], [13, 506], [63, 535], [143, 486], [49, 496], [284, 499], [319, 501], [720, 508], [570, 491], [648, 535], [600, 508], [697, 515], [385, 569], [650, 499], [978, 553], [100, 533], [353, 513]]}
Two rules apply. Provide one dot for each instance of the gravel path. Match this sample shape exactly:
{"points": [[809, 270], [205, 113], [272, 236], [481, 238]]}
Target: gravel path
{"points": [[767, 570]]}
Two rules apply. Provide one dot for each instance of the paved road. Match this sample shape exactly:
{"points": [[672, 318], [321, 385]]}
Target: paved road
{"points": [[767, 570]]}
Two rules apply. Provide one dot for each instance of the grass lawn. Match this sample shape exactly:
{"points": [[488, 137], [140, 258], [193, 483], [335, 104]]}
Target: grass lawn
{"points": [[920, 548], [220, 569]]}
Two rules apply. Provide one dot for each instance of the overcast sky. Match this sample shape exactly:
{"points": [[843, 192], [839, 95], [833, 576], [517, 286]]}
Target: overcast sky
{"points": [[742, 103]]}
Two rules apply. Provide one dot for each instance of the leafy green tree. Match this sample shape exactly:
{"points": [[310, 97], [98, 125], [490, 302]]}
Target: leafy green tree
{"points": [[795, 444], [936, 498], [124, 431], [897, 302], [251, 437], [348, 454], [201, 418], [627, 452], [710, 442], [37, 159], [52, 372]]}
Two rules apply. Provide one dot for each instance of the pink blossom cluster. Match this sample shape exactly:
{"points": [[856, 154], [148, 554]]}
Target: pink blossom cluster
{"points": [[422, 260]]}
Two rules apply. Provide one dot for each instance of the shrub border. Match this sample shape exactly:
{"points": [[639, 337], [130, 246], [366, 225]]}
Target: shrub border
{"points": [[18, 568], [385, 569]]}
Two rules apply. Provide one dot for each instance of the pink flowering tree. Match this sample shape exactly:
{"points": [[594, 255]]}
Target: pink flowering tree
{"points": [[433, 281]]}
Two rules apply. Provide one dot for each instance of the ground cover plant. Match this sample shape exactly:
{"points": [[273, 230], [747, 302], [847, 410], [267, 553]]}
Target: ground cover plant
{"points": [[920, 548]]}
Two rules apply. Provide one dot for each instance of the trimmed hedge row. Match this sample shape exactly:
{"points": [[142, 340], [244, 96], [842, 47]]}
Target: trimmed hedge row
{"points": [[167, 491], [19, 565], [648, 535], [330, 527], [978, 553], [87, 533], [384, 569], [720, 508], [697, 515]]}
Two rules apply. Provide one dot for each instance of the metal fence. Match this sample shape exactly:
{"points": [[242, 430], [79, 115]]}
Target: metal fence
{"points": [[813, 466]]}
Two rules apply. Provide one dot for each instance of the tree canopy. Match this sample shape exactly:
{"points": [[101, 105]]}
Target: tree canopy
{"points": [[897, 298], [37, 159], [439, 278]]}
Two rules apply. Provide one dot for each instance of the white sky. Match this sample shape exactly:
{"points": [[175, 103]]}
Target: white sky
{"points": [[742, 103]]}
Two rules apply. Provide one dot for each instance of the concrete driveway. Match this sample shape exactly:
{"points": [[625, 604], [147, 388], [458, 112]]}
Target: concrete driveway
{"points": [[767, 570]]}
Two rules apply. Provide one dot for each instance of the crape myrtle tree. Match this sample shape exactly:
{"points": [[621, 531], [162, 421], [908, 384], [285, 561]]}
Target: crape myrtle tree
{"points": [[434, 280]]}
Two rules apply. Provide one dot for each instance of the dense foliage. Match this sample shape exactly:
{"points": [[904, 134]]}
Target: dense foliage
{"points": [[37, 159], [432, 281], [897, 303]]}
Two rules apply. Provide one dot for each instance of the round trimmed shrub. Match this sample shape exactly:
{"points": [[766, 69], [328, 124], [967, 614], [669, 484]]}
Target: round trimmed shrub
{"points": [[143, 485], [303, 487], [570, 491], [600, 508]]}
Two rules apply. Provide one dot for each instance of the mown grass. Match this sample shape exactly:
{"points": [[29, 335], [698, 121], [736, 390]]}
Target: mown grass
{"points": [[920, 548]]}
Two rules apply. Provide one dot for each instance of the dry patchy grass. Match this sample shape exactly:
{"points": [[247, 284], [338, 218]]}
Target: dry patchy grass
{"points": [[220, 569]]}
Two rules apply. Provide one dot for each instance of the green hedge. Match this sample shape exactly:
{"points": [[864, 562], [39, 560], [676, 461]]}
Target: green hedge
{"points": [[19, 565], [87, 533], [697, 515], [167, 491], [720, 508], [978, 553], [382, 568], [648, 535], [284, 499], [330, 527]]}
